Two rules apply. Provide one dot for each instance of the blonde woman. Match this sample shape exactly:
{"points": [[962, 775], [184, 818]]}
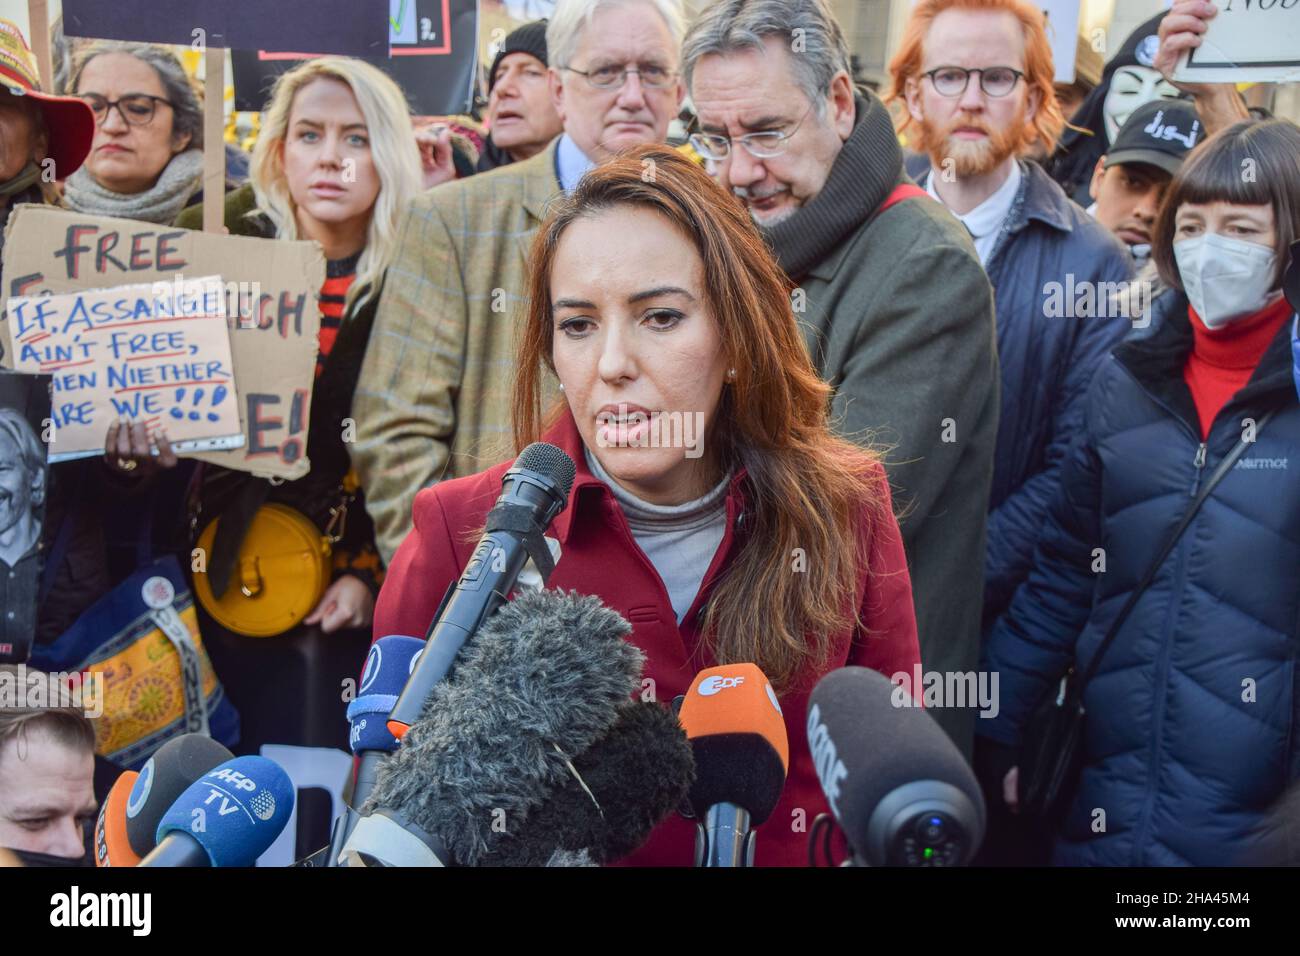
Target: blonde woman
{"points": [[336, 161]]}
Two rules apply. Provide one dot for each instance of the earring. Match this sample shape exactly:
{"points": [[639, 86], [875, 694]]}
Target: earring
{"points": [[561, 386], [731, 375]]}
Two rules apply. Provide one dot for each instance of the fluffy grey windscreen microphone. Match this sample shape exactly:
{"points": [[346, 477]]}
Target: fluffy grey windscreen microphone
{"points": [[540, 681]]}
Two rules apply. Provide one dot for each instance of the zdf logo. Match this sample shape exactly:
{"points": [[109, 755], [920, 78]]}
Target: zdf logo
{"points": [[711, 685]]}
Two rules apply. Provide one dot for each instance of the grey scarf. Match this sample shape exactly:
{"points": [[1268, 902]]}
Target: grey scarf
{"points": [[868, 167], [181, 178]]}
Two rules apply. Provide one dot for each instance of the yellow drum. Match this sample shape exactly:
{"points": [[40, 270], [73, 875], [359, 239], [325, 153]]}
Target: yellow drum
{"points": [[281, 572]]}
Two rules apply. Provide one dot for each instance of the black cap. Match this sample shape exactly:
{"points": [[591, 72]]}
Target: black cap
{"points": [[529, 38], [1160, 133]]}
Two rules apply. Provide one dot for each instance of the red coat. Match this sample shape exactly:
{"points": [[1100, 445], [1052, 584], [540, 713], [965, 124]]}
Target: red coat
{"points": [[599, 556]]}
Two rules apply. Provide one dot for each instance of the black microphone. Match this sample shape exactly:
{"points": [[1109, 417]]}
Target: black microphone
{"points": [[625, 785], [533, 492], [542, 680], [166, 775], [736, 730], [900, 789]]}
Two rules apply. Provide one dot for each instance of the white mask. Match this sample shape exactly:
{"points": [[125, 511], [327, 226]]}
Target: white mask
{"points": [[1226, 279]]}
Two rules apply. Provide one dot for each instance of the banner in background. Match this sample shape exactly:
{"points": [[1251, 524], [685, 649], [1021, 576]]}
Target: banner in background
{"points": [[345, 27], [429, 53], [271, 310], [1249, 41]]}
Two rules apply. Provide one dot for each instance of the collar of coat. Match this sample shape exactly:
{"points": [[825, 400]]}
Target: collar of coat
{"points": [[868, 167], [1156, 360], [1039, 199], [538, 180], [589, 491]]}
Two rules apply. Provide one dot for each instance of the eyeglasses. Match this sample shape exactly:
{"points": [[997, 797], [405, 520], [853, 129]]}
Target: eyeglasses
{"points": [[764, 144], [136, 109], [612, 76], [994, 80]]}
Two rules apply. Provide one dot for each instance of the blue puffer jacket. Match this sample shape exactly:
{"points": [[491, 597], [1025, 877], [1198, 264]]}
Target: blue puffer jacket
{"points": [[1048, 251], [1191, 726]]}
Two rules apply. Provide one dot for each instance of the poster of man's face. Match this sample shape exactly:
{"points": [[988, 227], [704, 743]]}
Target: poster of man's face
{"points": [[24, 477]]}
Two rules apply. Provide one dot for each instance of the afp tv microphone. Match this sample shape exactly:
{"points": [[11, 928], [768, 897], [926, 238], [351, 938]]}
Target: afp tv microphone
{"points": [[900, 790]]}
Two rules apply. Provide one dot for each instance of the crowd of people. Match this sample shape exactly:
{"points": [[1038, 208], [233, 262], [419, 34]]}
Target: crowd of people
{"points": [[975, 386]]}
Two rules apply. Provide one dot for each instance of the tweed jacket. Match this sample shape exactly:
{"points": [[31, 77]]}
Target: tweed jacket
{"points": [[433, 400]]}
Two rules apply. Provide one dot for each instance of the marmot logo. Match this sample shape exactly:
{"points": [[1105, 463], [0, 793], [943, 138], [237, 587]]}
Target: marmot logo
{"points": [[1253, 463]]}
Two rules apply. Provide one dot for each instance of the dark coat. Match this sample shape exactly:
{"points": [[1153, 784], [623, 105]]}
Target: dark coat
{"points": [[599, 556], [1047, 362], [1191, 727]]}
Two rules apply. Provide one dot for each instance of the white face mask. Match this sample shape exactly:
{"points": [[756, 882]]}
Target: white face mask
{"points": [[1226, 279]]}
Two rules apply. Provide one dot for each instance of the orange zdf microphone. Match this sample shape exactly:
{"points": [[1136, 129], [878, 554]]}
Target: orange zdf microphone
{"points": [[112, 847], [735, 727]]}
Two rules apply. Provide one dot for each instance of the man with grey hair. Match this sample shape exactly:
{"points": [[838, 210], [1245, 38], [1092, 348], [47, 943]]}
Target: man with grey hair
{"points": [[896, 311], [433, 400], [22, 501]]}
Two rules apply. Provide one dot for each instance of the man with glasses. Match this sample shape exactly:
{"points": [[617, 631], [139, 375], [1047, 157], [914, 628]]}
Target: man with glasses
{"points": [[897, 313], [433, 399]]}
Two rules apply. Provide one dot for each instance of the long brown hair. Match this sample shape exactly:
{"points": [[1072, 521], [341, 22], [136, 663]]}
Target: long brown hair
{"points": [[791, 587]]}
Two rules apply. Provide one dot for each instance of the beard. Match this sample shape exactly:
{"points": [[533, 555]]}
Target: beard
{"points": [[971, 157]]}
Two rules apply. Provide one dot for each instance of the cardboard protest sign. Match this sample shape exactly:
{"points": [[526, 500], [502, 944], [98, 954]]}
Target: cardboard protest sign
{"points": [[429, 52], [155, 353], [1248, 41], [345, 27], [24, 477], [271, 310]]}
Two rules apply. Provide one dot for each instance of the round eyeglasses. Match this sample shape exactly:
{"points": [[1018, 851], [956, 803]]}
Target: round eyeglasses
{"points": [[994, 80], [136, 109]]}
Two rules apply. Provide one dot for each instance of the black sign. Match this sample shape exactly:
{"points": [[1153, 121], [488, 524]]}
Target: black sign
{"points": [[345, 27], [430, 53]]}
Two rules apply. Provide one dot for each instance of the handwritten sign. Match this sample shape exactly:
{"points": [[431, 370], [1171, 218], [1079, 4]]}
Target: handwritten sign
{"points": [[1249, 41], [154, 353], [271, 311]]}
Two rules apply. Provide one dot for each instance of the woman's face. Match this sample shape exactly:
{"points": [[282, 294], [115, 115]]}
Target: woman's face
{"points": [[129, 157], [328, 165], [638, 352], [1232, 220]]}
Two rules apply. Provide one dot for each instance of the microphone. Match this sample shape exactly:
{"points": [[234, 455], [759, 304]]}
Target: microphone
{"points": [[736, 730], [164, 777], [539, 683], [533, 492], [112, 847], [626, 784], [389, 663], [228, 817], [900, 789]]}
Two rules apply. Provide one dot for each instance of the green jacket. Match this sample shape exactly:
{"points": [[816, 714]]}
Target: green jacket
{"points": [[898, 317]]}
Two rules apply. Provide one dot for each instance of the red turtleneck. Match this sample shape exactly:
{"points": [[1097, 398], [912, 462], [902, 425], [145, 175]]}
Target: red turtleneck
{"points": [[1222, 360]]}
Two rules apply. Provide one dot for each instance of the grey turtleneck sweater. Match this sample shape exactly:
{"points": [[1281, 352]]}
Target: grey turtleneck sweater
{"points": [[680, 540]]}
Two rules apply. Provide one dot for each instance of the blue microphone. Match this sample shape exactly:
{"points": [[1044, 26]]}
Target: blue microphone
{"points": [[388, 667], [228, 817]]}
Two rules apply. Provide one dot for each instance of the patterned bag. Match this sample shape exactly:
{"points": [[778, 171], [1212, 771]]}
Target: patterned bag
{"points": [[143, 637]]}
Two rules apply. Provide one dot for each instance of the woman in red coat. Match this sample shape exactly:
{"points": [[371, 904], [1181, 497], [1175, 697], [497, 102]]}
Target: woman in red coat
{"points": [[713, 508]]}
